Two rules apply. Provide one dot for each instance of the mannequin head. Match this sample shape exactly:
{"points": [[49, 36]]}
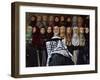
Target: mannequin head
{"points": [[81, 30], [42, 30], [62, 18], [34, 30], [51, 18], [33, 18], [44, 18], [62, 31], [86, 30], [56, 19], [49, 29], [39, 18], [68, 30], [29, 29]]}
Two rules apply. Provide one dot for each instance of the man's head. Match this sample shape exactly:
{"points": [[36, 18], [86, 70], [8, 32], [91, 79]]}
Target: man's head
{"points": [[56, 30]]}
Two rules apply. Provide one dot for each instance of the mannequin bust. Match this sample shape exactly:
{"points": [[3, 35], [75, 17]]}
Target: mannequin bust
{"points": [[75, 37], [62, 31], [39, 23], [44, 20], [68, 36], [51, 21], [29, 34], [62, 34], [81, 36], [80, 21]]}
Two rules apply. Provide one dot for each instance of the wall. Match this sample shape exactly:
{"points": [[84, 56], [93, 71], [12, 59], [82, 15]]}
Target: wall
{"points": [[5, 40]]}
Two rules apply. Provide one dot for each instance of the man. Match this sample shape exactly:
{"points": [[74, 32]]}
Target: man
{"points": [[58, 53]]}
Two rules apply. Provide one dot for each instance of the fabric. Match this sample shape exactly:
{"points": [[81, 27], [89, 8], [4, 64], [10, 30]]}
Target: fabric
{"points": [[33, 23], [51, 23], [31, 56], [36, 38], [58, 47], [39, 24], [45, 23], [82, 39], [58, 60], [75, 37], [29, 34], [49, 35]]}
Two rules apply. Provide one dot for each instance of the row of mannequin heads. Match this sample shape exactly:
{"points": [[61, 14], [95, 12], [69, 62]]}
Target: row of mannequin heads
{"points": [[65, 33], [79, 20], [59, 31]]}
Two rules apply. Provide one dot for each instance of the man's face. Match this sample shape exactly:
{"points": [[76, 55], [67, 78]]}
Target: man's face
{"points": [[56, 30], [49, 30]]}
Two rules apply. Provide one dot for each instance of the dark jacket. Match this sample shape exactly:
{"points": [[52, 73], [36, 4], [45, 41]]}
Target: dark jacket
{"points": [[58, 60], [36, 38]]}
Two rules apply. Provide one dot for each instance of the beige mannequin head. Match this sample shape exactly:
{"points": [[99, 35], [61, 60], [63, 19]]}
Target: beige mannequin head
{"points": [[49, 29], [39, 18], [44, 17], [68, 30], [81, 30], [62, 31], [51, 18], [86, 30]]}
